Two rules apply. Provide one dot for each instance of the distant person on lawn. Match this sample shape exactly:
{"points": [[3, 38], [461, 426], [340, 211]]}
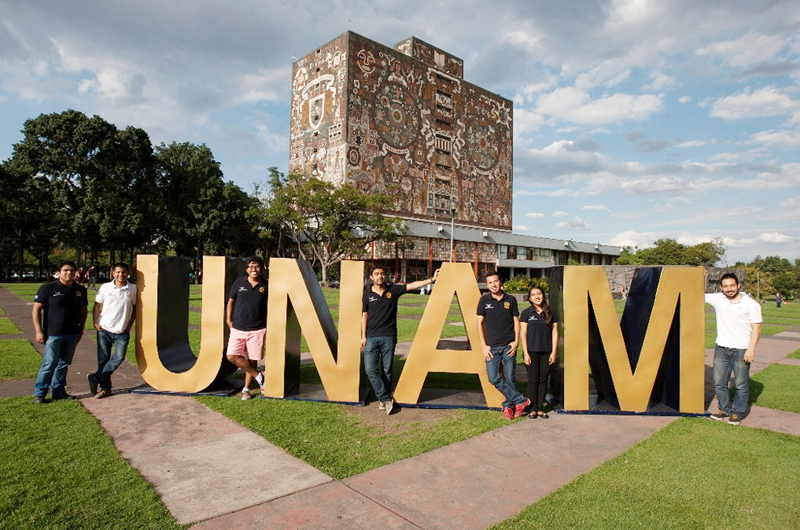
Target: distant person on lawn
{"points": [[59, 314], [498, 329], [246, 316], [113, 315], [379, 331], [738, 330]]}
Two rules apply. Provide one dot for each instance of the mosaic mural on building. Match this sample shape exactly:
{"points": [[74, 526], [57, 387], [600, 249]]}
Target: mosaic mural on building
{"points": [[404, 122]]}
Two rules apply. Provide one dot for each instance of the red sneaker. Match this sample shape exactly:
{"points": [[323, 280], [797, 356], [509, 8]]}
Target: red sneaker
{"points": [[508, 412], [519, 410]]}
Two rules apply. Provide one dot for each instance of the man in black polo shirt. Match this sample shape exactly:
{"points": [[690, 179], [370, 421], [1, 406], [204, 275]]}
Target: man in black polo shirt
{"points": [[379, 331], [246, 315], [498, 329], [59, 314]]}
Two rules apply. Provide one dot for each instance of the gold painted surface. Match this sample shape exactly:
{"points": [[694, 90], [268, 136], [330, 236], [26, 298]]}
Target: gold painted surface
{"points": [[424, 357], [209, 360], [340, 374], [633, 389]]}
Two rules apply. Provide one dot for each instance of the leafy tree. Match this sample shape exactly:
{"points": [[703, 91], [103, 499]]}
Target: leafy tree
{"points": [[785, 284], [328, 223], [629, 256], [670, 252], [773, 264]]}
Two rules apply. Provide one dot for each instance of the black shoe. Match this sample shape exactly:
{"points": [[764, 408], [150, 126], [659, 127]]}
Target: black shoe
{"points": [[735, 419], [719, 416], [92, 383], [38, 400]]}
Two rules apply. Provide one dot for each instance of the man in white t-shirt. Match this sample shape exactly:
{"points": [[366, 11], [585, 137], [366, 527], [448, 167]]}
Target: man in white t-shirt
{"points": [[113, 317], [738, 330]]}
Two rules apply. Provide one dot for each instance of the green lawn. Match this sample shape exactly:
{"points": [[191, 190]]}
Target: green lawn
{"points": [[59, 470], [332, 439], [776, 387], [18, 360], [7, 327], [795, 354], [694, 473]]}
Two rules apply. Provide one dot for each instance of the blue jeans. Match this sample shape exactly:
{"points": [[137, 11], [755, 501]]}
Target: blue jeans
{"points": [[504, 384], [379, 353], [725, 361], [107, 363], [58, 353]]}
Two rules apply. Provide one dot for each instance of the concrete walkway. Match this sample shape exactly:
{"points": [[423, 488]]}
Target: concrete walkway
{"points": [[184, 450]]}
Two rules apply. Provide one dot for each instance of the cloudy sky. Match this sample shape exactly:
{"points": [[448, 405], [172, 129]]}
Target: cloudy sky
{"points": [[633, 120]]}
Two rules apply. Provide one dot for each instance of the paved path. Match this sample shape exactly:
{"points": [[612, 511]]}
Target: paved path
{"points": [[183, 449]]}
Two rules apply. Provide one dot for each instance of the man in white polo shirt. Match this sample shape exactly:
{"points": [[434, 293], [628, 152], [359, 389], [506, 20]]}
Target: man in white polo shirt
{"points": [[738, 331], [113, 317]]}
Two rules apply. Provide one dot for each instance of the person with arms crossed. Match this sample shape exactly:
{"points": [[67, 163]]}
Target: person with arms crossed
{"points": [[246, 316], [738, 330], [539, 334], [379, 331], [498, 329], [59, 315], [113, 318]]}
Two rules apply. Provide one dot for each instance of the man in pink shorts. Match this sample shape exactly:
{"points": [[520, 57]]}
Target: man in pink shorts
{"points": [[246, 315]]}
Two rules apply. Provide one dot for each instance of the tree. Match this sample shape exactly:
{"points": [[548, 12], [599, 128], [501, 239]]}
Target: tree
{"points": [[670, 252], [328, 223], [629, 256]]}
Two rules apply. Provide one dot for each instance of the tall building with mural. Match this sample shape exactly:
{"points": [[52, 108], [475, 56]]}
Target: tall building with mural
{"points": [[403, 121]]}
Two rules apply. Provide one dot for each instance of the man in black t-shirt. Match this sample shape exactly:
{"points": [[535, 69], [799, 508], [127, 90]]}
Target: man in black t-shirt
{"points": [[498, 329], [379, 331], [246, 316], [59, 314]]}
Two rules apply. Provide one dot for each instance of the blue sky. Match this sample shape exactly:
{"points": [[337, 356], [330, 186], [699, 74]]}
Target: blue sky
{"points": [[633, 120]]}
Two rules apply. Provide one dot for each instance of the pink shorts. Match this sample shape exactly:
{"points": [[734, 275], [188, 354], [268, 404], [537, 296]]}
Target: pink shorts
{"points": [[248, 344]]}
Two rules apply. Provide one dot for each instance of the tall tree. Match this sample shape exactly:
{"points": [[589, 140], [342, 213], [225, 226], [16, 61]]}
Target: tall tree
{"points": [[328, 223]]}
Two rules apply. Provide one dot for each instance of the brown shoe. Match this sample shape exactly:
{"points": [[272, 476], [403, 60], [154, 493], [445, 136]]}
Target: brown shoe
{"points": [[102, 394]]}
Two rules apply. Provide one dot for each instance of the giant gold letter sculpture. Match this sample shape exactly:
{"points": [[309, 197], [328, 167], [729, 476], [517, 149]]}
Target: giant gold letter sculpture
{"points": [[588, 304], [162, 347], [296, 302], [424, 357]]}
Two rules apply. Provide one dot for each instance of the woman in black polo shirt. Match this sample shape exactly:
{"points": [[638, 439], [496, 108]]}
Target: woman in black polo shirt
{"points": [[539, 336]]}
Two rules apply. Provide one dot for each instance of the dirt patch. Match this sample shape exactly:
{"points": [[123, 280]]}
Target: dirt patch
{"points": [[401, 419]]}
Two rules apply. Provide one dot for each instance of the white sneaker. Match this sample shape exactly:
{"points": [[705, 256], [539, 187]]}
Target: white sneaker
{"points": [[389, 405], [260, 379], [245, 394], [381, 406]]}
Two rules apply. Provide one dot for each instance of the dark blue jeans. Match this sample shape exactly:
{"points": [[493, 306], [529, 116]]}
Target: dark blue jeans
{"points": [[106, 362], [727, 360], [504, 384], [378, 361], [58, 353]]}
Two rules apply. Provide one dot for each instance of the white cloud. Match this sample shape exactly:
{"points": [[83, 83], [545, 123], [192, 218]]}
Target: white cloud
{"points": [[576, 106], [767, 101], [632, 238], [560, 214], [788, 139], [596, 207], [534, 215], [747, 50], [523, 228], [685, 99], [576, 223]]}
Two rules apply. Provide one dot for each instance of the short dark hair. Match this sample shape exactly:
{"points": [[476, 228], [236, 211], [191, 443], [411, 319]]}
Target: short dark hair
{"points": [[256, 259], [494, 273], [377, 268], [67, 262], [121, 265], [729, 275]]}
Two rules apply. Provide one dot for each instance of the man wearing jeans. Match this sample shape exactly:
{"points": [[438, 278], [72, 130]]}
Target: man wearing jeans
{"points": [[379, 331], [59, 314], [113, 317], [738, 331], [498, 329]]}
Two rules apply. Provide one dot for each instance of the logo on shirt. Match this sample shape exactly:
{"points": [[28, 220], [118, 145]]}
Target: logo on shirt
{"points": [[78, 294], [372, 299], [489, 306], [58, 293], [388, 295], [506, 305], [242, 289], [260, 289]]}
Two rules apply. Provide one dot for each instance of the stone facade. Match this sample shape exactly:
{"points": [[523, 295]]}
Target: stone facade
{"points": [[403, 121]]}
